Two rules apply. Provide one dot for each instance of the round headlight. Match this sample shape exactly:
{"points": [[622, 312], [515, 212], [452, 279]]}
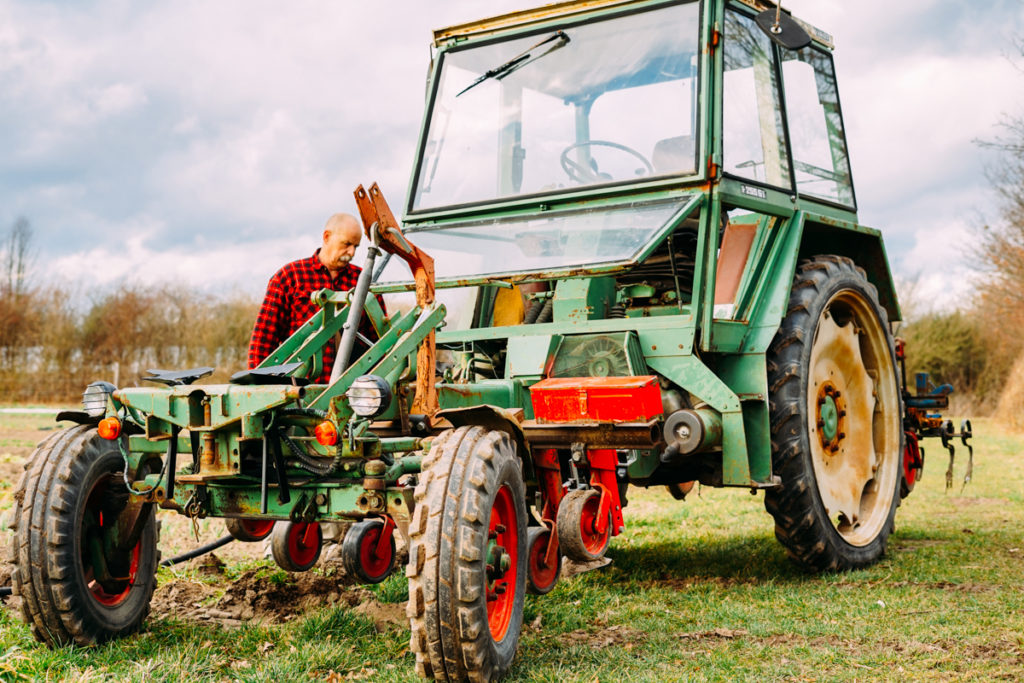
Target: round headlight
{"points": [[369, 395], [94, 400]]}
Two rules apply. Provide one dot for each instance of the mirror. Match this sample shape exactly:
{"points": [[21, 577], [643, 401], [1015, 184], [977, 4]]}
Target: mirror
{"points": [[783, 29]]}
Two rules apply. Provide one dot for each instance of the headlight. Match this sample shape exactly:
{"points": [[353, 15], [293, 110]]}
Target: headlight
{"points": [[369, 395], [94, 400]]}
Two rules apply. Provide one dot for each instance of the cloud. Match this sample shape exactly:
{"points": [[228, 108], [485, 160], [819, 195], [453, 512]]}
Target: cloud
{"points": [[207, 142]]}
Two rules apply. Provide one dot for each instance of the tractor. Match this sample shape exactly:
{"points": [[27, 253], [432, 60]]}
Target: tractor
{"points": [[629, 256]]}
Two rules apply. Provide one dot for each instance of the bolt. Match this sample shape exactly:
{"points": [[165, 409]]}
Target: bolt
{"points": [[500, 589], [506, 562], [842, 413], [499, 528], [842, 435]]}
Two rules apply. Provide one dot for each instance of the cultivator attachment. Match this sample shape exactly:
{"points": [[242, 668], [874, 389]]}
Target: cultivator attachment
{"points": [[922, 420]]}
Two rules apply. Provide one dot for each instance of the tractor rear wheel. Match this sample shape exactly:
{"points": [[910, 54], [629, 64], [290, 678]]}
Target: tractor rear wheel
{"points": [[835, 413], [76, 586], [468, 556]]}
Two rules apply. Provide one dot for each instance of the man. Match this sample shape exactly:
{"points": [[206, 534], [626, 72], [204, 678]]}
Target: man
{"points": [[287, 305]]}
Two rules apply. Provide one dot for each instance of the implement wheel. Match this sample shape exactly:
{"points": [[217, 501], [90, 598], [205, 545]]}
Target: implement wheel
{"points": [[467, 556], [578, 534], [541, 576], [76, 585], [361, 554], [836, 436], [249, 530], [296, 545]]}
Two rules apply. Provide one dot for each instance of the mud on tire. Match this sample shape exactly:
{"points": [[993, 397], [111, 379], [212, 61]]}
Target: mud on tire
{"points": [[462, 626], [71, 481], [835, 414]]}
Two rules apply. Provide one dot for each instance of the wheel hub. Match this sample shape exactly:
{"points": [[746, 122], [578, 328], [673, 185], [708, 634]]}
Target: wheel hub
{"points": [[831, 417]]}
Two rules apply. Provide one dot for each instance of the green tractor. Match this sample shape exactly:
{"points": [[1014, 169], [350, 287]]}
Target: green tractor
{"points": [[631, 238]]}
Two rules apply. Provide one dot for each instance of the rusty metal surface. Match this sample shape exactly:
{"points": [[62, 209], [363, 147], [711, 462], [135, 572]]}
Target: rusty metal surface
{"points": [[376, 214], [523, 18], [595, 435]]}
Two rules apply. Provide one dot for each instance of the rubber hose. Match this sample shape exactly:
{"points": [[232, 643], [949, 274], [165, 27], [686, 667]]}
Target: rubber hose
{"points": [[184, 557], [196, 552]]}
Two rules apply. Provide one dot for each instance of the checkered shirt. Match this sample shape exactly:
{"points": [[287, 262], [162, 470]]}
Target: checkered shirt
{"points": [[287, 306]]}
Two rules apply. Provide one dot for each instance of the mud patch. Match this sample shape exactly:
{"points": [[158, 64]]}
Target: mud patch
{"points": [[264, 598], [601, 637]]}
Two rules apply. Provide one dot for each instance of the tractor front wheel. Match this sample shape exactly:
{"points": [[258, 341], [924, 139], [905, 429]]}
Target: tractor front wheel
{"points": [[835, 414], [80, 578], [468, 556]]}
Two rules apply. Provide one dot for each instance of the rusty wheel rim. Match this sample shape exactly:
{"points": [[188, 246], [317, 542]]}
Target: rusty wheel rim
{"points": [[853, 417]]}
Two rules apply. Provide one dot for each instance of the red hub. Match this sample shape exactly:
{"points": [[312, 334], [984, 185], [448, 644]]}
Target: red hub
{"points": [[304, 542], [258, 529], [376, 552], [544, 562], [502, 560], [594, 526], [107, 590]]}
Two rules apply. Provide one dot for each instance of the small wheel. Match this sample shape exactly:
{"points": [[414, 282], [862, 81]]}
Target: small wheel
{"points": [[578, 536], [359, 552], [541, 577], [249, 530], [467, 556], [296, 545], [837, 441], [76, 585]]}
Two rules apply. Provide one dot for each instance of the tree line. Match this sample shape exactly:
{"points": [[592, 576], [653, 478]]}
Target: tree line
{"points": [[51, 346]]}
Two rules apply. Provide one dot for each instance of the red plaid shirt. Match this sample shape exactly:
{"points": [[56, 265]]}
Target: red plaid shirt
{"points": [[287, 306]]}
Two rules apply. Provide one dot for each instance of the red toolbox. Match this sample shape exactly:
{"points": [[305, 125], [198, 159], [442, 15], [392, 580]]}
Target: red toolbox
{"points": [[596, 399]]}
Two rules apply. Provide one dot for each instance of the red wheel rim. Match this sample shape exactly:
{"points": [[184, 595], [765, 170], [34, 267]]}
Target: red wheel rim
{"points": [[92, 525], [593, 541], [304, 542], [257, 528], [542, 575], [911, 460], [502, 559], [373, 564]]}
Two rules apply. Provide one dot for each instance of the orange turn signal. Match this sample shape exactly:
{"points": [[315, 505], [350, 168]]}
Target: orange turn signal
{"points": [[109, 428], [326, 433]]}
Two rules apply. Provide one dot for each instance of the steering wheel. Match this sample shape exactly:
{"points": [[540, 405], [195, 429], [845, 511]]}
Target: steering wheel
{"points": [[590, 174]]}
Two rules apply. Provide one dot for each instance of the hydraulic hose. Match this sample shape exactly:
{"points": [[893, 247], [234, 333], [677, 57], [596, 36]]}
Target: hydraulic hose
{"points": [[196, 552]]}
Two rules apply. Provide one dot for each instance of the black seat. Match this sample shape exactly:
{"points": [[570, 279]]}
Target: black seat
{"points": [[272, 374], [177, 377]]}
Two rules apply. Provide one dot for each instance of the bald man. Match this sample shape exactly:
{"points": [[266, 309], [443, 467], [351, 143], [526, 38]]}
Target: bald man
{"points": [[287, 306]]}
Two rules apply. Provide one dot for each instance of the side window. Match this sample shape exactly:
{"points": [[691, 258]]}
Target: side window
{"points": [[753, 138], [820, 159]]}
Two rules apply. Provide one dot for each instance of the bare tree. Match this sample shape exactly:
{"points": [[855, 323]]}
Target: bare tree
{"points": [[17, 258]]}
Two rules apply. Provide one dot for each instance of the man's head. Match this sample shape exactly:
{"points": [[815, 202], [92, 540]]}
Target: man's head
{"points": [[341, 237]]}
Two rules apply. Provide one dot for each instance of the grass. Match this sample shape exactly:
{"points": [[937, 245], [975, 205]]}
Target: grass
{"points": [[697, 591]]}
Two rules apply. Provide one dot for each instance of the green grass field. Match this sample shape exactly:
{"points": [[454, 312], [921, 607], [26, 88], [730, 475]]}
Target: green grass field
{"points": [[697, 590]]}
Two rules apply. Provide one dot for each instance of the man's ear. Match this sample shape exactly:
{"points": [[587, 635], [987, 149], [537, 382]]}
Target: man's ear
{"points": [[326, 236]]}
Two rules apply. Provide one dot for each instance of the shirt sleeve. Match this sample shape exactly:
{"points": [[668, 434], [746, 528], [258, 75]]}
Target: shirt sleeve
{"points": [[271, 326]]}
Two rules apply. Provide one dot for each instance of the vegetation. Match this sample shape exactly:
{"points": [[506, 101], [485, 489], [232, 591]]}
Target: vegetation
{"points": [[54, 342]]}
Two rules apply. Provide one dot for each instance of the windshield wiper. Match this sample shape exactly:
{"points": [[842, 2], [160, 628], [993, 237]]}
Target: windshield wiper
{"points": [[519, 60]]}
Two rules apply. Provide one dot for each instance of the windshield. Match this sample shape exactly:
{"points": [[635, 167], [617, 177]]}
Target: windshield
{"points": [[609, 101], [533, 244]]}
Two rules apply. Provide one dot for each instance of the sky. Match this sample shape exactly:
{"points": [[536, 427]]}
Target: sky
{"points": [[207, 142]]}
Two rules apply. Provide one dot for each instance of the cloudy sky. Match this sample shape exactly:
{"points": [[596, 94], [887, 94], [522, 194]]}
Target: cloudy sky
{"points": [[207, 142]]}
